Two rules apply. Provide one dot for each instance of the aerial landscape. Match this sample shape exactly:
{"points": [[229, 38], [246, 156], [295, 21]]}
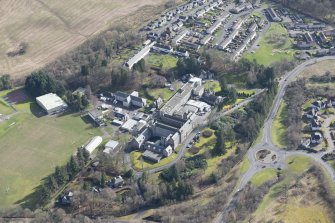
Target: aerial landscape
{"points": [[167, 111]]}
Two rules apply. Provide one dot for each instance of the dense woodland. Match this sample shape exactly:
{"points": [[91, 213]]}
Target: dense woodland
{"points": [[322, 9]]}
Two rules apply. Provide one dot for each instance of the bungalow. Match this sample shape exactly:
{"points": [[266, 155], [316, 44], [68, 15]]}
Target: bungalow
{"points": [[252, 28], [162, 48], [316, 26], [301, 26], [311, 113], [323, 37], [179, 37], [206, 40], [318, 105], [316, 137], [214, 27], [238, 9], [182, 53], [183, 18], [306, 143], [260, 23], [66, 199], [200, 13], [315, 125], [308, 37], [116, 182], [273, 15], [304, 45]]}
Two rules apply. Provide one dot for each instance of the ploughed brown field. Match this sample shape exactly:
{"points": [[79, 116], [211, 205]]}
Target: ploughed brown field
{"points": [[50, 28]]}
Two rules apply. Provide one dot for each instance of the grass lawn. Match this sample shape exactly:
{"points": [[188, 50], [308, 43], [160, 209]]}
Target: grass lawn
{"points": [[205, 144], [245, 165], [213, 86], [164, 93], [31, 147], [141, 164], [165, 61], [270, 51], [263, 176], [278, 129]]}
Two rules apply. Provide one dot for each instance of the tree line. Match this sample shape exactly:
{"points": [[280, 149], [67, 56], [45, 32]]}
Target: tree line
{"points": [[62, 175], [5, 82], [40, 83], [323, 10]]}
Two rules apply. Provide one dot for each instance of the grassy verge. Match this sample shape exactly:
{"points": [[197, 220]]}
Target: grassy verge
{"points": [[245, 165], [278, 129], [263, 176]]}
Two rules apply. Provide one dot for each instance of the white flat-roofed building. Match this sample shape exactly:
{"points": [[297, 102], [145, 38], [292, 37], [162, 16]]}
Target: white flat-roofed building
{"points": [[51, 103], [129, 125], [139, 56], [93, 144], [110, 146]]}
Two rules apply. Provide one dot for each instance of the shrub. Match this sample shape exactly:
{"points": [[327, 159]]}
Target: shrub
{"points": [[194, 150], [207, 133]]}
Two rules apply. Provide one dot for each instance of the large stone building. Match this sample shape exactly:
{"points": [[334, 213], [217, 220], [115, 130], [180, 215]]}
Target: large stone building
{"points": [[172, 124]]}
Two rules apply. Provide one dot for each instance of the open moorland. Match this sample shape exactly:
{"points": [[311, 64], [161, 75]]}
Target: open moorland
{"points": [[31, 147], [50, 28]]}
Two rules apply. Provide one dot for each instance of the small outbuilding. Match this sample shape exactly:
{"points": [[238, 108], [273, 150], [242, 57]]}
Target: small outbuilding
{"points": [[93, 144], [110, 146]]}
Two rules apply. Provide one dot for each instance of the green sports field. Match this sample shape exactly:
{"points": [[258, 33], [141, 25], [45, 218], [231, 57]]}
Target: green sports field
{"points": [[30, 148]]}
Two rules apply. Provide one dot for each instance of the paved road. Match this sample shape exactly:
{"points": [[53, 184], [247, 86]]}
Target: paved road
{"points": [[266, 141]]}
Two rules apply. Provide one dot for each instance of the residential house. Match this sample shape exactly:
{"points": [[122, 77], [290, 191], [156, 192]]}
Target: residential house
{"points": [[97, 116], [311, 113], [315, 125], [316, 138]]}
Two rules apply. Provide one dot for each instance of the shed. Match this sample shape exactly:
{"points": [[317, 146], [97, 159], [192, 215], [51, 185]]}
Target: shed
{"points": [[93, 144]]}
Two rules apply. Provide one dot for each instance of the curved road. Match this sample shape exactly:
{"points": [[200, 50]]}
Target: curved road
{"points": [[266, 141]]}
